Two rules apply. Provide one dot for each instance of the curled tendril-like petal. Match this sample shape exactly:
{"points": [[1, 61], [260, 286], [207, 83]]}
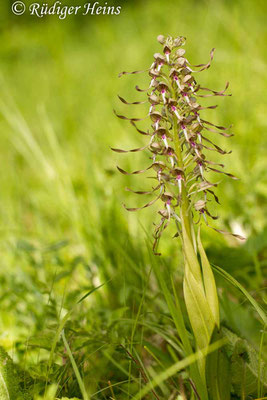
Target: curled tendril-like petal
{"points": [[219, 132], [139, 130], [142, 192], [132, 72], [214, 195], [133, 103], [141, 171], [215, 146], [141, 208], [217, 93], [214, 163], [222, 172], [128, 119], [208, 107], [214, 217], [141, 90], [129, 151], [205, 66], [221, 128]]}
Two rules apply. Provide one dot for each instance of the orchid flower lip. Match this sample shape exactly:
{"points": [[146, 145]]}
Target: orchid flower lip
{"points": [[179, 181], [167, 54], [151, 82], [185, 134], [199, 137], [169, 209], [165, 141], [157, 124], [178, 84], [163, 91], [177, 114]]}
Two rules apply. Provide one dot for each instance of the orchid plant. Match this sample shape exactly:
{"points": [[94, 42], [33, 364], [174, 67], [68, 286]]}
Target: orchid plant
{"points": [[179, 142]]}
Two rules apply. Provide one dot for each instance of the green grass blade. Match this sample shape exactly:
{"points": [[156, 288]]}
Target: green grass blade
{"points": [[259, 367], [238, 285], [61, 327], [178, 367], [75, 368]]}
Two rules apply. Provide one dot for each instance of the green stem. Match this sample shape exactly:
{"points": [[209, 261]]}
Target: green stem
{"points": [[185, 209]]}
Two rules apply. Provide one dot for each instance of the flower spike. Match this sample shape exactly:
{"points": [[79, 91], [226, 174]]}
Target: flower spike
{"points": [[179, 148]]}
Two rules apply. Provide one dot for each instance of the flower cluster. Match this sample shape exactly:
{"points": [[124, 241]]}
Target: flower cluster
{"points": [[178, 137]]}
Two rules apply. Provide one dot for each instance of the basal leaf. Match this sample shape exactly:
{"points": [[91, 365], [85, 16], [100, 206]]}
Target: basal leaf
{"points": [[209, 283]]}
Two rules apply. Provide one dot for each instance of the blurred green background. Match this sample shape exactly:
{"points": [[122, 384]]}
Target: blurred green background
{"points": [[63, 229]]}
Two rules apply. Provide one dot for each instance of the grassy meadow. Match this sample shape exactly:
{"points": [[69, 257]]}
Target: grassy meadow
{"points": [[73, 260]]}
